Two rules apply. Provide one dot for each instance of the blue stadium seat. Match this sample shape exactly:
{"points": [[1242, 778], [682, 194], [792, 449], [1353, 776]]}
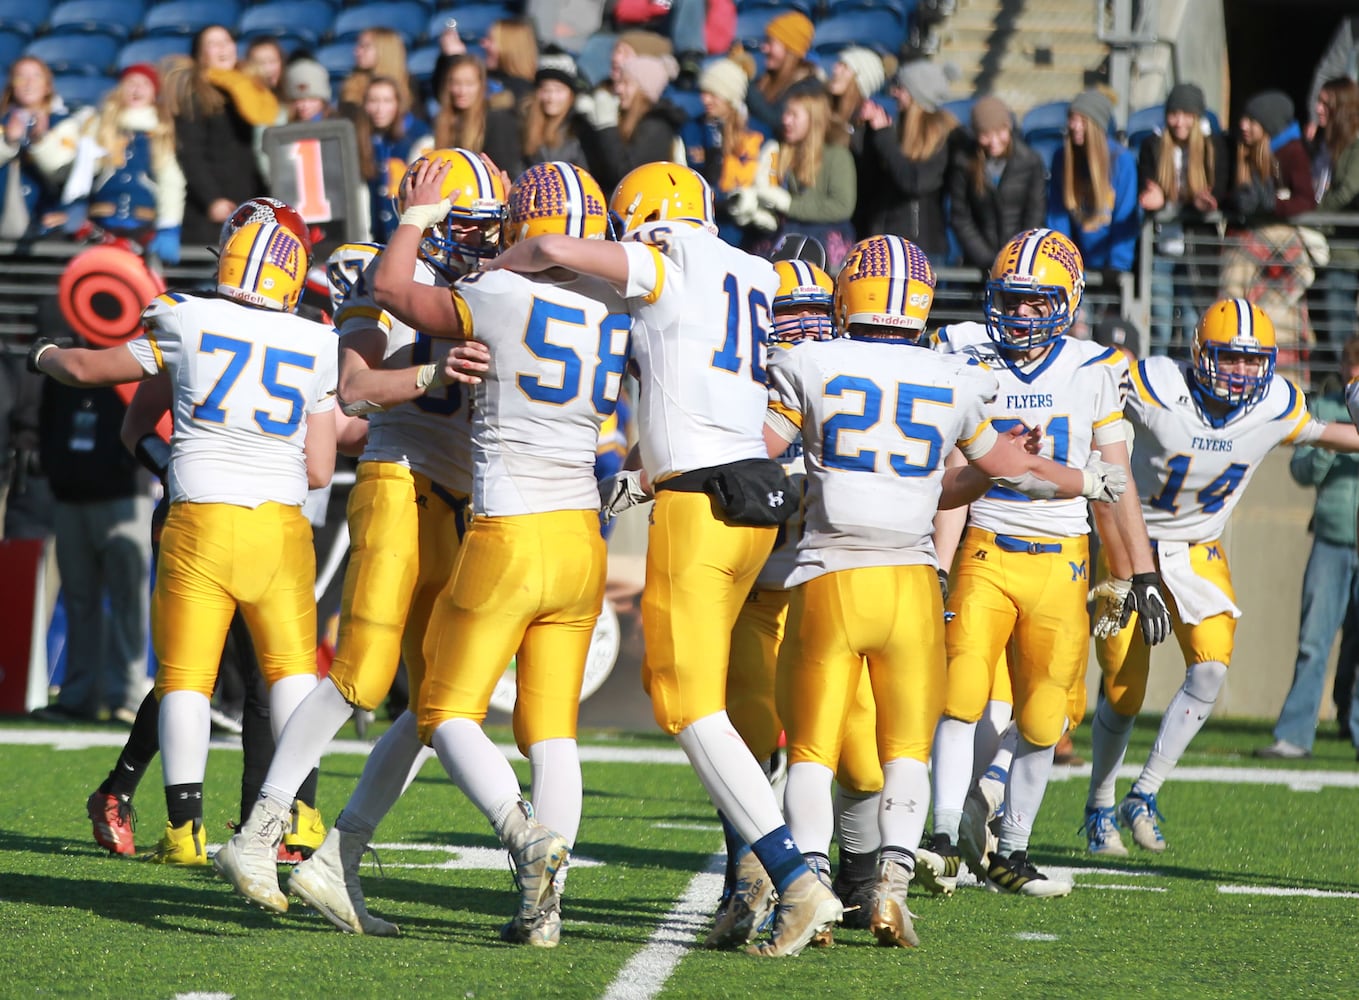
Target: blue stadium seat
{"points": [[406, 17], [11, 44], [961, 109], [186, 17], [91, 55], [902, 8], [1046, 145], [78, 91], [1045, 119], [807, 7], [420, 63], [750, 25], [688, 101], [474, 20], [1144, 122], [152, 50], [882, 30], [96, 17], [305, 20], [26, 17], [338, 59]]}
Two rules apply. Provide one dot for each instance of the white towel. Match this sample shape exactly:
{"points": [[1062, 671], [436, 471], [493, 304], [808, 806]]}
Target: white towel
{"points": [[1195, 597]]}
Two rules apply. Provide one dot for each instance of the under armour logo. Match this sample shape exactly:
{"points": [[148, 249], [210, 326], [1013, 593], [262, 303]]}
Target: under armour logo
{"points": [[775, 498], [1077, 570], [788, 844], [908, 805], [979, 554]]}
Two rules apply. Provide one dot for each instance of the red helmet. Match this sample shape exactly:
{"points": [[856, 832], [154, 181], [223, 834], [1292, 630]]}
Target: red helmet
{"points": [[262, 209]]}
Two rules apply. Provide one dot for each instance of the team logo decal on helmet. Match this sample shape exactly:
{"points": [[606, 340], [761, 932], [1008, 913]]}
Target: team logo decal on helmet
{"points": [[263, 265], [1040, 265], [556, 198]]}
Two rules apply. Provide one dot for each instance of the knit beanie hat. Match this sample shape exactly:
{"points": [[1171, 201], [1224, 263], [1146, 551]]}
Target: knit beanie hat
{"points": [[866, 65], [646, 43], [1186, 97], [926, 82], [651, 74], [794, 30], [1094, 106], [1273, 109], [990, 114], [306, 78], [554, 64], [142, 69], [725, 79]]}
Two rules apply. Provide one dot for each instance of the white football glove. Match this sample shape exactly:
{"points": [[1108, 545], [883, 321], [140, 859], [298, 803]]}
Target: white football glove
{"points": [[619, 492], [599, 108], [742, 204], [1104, 481], [424, 217], [1109, 596], [1033, 486]]}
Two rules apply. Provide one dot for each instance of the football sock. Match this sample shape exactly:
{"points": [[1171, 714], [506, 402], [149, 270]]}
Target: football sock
{"points": [[780, 857], [478, 768], [856, 820], [184, 732], [733, 779], [905, 801], [311, 723], [1109, 736], [306, 792], [737, 848], [900, 856], [952, 761], [141, 747], [1024, 795], [257, 749], [1005, 753], [1184, 717], [991, 729], [392, 765], [183, 802], [857, 867], [819, 864], [557, 786], [807, 803]]}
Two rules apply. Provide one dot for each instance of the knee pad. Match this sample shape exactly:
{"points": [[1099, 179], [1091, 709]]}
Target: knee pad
{"points": [[1043, 718], [969, 687], [1204, 680]]}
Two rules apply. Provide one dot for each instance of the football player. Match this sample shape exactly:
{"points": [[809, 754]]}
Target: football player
{"points": [[529, 582], [253, 393], [1202, 428], [1022, 575], [407, 516]]}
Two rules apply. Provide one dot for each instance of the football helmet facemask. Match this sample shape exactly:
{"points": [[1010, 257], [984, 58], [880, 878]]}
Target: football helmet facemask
{"points": [[1039, 264], [345, 265], [1234, 327], [263, 265], [656, 192], [556, 198], [885, 282], [802, 287], [473, 229]]}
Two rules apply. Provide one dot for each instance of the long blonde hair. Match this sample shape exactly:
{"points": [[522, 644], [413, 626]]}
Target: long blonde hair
{"points": [[1199, 164], [842, 111], [923, 132], [113, 138], [390, 63], [465, 129], [1087, 192], [518, 46], [803, 160]]}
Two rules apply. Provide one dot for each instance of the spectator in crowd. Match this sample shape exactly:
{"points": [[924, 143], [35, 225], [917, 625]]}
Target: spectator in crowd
{"points": [[1267, 258], [856, 77], [126, 173], [1182, 174], [28, 503], [1092, 197], [787, 40], [1341, 58], [998, 185], [722, 146], [646, 127], [1330, 584], [1340, 281], [36, 149], [904, 167], [806, 184], [306, 89], [510, 55], [467, 120], [264, 60], [683, 22], [388, 140], [550, 129], [214, 132], [377, 52], [570, 25]]}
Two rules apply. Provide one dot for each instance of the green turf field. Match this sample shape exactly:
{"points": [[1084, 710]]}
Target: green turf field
{"points": [[1257, 896]]}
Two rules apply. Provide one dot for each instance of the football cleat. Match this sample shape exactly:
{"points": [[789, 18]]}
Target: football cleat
{"points": [[555, 198], [328, 882], [937, 863], [1139, 814], [537, 853], [249, 860], [1101, 833], [112, 817], [542, 930], [1018, 875], [977, 837], [804, 911], [802, 304], [663, 192], [1038, 264], [885, 282], [263, 265], [473, 229], [857, 898], [891, 922], [1238, 330], [305, 833], [748, 910], [185, 845]]}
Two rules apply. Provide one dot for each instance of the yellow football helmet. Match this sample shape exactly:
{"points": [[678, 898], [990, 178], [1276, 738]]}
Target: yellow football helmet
{"points": [[663, 191], [263, 265], [1234, 327], [477, 195], [802, 286], [556, 198], [1038, 263], [345, 265], [885, 281]]}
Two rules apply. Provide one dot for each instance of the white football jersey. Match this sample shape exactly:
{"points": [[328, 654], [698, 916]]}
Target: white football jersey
{"points": [[558, 351], [431, 434], [1189, 473], [877, 420], [701, 311], [245, 380], [1074, 394]]}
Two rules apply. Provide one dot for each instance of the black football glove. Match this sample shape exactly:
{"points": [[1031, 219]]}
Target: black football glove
{"points": [[1153, 614]]}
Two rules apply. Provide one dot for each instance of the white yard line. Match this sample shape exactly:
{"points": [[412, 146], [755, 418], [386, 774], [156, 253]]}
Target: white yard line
{"points": [[1272, 890]]}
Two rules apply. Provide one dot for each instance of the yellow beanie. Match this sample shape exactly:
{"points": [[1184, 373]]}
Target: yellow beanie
{"points": [[794, 30]]}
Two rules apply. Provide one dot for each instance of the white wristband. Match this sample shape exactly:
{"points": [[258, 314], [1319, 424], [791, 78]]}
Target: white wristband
{"points": [[425, 216]]}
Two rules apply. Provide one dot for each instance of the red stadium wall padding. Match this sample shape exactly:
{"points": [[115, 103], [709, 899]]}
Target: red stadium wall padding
{"points": [[102, 294], [19, 560]]}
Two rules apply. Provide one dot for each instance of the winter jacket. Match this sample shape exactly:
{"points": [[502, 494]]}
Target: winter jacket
{"points": [[985, 220], [653, 140], [1288, 193], [1108, 244], [904, 197]]}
